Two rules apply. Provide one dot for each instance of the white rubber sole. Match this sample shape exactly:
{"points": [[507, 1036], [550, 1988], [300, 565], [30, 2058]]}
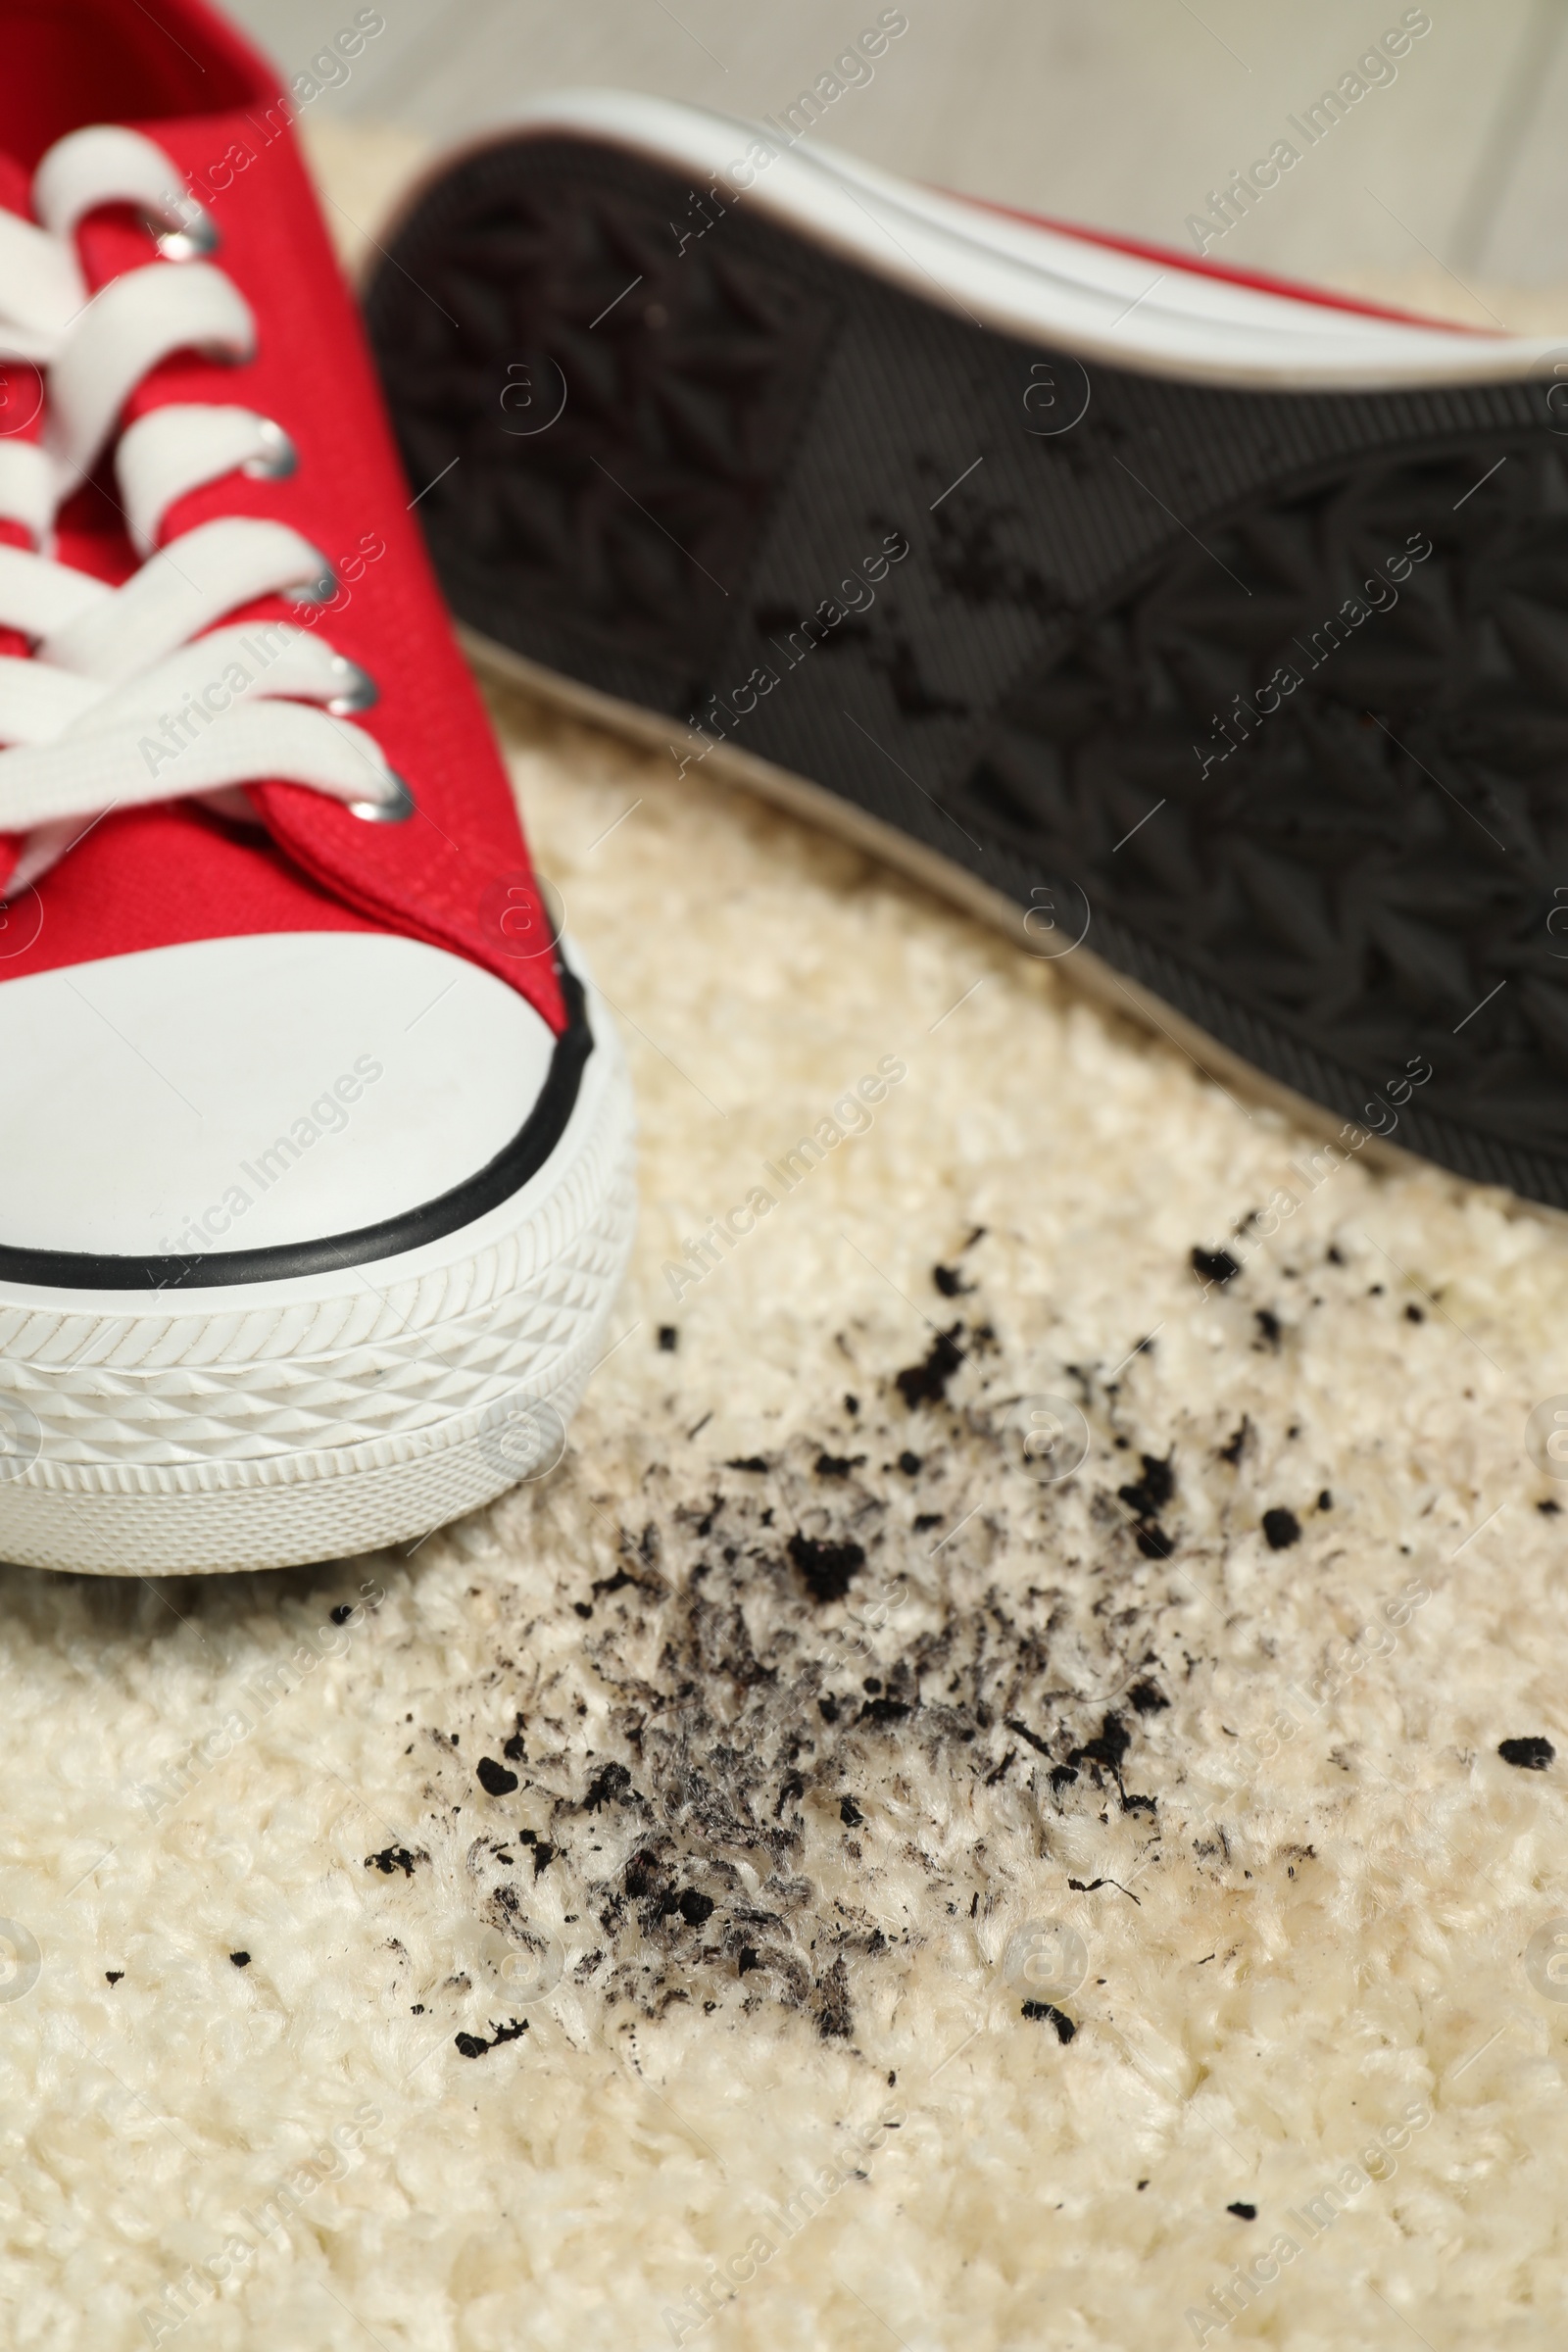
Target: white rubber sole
{"points": [[276, 1423], [1020, 276]]}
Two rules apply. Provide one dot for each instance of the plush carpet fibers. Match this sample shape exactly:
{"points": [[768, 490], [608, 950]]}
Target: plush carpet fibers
{"points": [[827, 1866]]}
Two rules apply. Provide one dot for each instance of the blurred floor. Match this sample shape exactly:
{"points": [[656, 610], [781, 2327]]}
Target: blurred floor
{"points": [[1122, 112]]}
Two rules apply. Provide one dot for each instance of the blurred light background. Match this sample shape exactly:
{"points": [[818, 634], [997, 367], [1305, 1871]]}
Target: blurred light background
{"points": [[1447, 184]]}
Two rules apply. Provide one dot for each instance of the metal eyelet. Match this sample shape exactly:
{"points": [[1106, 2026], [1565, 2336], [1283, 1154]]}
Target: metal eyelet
{"points": [[277, 460], [199, 236], [395, 811], [320, 591], [360, 690]]}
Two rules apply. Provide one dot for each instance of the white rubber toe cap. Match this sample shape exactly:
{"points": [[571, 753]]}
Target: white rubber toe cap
{"points": [[254, 1093]]}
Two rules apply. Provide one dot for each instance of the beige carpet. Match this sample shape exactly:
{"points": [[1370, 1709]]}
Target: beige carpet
{"points": [[949, 1898]]}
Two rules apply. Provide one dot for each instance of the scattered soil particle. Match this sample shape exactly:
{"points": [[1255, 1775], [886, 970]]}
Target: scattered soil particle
{"points": [[1214, 1266], [849, 1813], [1325, 1502], [835, 2019], [1281, 1528], [474, 2045], [1243, 2212], [1413, 1314], [838, 1466], [240, 1959], [910, 1463], [951, 1283], [1235, 1444], [494, 1779], [1148, 1698], [610, 1786], [114, 1974], [668, 1338], [1270, 1328], [342, 1613], [826, 1567], [748, 1461], [395, 1857], [747, 1960], [1530, 1754], [926, 1383], [1045, 2012]]}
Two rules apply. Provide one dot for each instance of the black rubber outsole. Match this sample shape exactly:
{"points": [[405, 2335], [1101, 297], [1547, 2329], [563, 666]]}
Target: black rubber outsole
{"points": [[1265, 695]]}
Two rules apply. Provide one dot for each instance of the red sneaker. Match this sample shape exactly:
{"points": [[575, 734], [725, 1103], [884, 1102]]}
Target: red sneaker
{"points": [[1209, 632], [314, 1183]]}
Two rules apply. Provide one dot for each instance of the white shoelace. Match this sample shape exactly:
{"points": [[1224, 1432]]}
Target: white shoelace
{"points": [[125, 699]]}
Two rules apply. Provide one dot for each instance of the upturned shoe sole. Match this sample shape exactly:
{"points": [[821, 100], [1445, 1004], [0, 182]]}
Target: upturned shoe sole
{"points": [[1218, 649]]}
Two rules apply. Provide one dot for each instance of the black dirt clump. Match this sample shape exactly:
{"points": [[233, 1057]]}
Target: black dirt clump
{"points": [[747, 1961], [1270, 1328], [1214, 1266], [114, 1974], [1043, 2011], [838, 1466], [668, 1338], [926, 1383], [949, 1282], [1147, 1497], [835, 2019], [849, 1813], [1282, 1527], [395, 1857], [827, 1567], [240, 1959], [694, 1908], [910, 1463], [748, 1461], [1231, 1449], [473, 2046], [610, 1786], [1108, 1746], [1243, 2212], [342, 1613], [1530, 1754], [1148, 1698], [494, 1779]]}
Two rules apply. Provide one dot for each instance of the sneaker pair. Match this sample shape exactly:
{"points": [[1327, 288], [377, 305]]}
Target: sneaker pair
{"points": [[1207, 633]]}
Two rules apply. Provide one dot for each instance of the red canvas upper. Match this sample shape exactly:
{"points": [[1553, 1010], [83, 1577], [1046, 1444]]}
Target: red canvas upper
{"points": [[151, 877]]}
